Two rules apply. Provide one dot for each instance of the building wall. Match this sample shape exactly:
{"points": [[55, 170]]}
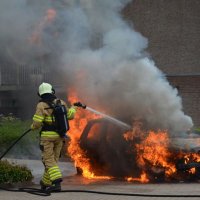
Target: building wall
{"points": [[189, 91], [173, 30], [19, 86]]}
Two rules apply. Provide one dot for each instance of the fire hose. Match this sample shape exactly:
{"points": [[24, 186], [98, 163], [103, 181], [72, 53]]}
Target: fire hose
{"points": [[40, 192], [10, 147]]}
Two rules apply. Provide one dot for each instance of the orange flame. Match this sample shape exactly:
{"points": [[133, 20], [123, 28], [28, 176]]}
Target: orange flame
{"points": [[143, 178], [151, 147], [76, 127], [191, 157], [154, 150], [49, 17], [192, 170]]}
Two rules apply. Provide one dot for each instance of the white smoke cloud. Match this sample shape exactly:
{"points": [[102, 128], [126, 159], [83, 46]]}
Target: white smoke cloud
{"points": [[92, 38], [119, 75]]}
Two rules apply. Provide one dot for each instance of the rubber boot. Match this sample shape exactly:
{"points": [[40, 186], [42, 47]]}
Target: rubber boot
{"points": [[43, 186], [56, 187]]}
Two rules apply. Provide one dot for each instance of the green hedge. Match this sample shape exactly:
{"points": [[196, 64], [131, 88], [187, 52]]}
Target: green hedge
{"points": [[12, 173]]}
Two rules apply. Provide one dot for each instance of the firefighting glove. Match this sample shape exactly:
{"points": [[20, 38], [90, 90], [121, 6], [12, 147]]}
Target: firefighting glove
{"points": [[71, 113], [79, 104]]}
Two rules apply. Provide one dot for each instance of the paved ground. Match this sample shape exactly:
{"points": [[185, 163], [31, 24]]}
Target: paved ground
{"points": [[74, 182], [37, 168]]}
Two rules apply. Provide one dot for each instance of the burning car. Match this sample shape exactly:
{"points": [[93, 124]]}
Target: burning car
{"points": [[105, 147], [111, 151], [102, 149]]}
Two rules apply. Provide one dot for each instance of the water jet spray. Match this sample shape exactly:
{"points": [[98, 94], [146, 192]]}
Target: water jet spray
{"points": [[111, 119]]}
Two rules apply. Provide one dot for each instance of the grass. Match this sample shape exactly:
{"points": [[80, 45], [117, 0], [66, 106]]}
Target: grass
{"points": [[11, 129]]}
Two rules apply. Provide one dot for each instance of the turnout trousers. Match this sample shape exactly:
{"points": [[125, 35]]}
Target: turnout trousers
{"points": [[51, 149]]}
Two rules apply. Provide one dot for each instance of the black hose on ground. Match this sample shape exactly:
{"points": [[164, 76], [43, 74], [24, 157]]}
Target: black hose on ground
{"points": [[12, 145], [34, 191], [39, 192]]}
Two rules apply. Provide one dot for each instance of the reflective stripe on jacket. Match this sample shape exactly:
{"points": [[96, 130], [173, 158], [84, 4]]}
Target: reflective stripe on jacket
{"points": [[44, 115]]}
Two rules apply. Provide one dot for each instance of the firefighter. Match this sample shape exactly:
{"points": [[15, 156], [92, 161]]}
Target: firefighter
{"points": [[50, 141]]}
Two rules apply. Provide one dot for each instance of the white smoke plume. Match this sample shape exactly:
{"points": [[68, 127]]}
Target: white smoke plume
{"points": [[103, 56], [118, 74]]}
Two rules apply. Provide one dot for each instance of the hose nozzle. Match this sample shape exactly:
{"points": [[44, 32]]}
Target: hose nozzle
{"points": [[79, 104]]}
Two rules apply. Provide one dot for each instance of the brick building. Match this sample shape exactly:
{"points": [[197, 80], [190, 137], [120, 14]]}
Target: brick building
{"points": [[173, 30]]}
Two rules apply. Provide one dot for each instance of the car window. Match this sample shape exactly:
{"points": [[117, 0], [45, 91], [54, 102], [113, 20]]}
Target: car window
{"points": [[94, 132]]}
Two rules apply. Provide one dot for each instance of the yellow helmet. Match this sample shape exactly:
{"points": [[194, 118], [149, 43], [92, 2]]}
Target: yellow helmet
{"points": [[45, 88]]}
